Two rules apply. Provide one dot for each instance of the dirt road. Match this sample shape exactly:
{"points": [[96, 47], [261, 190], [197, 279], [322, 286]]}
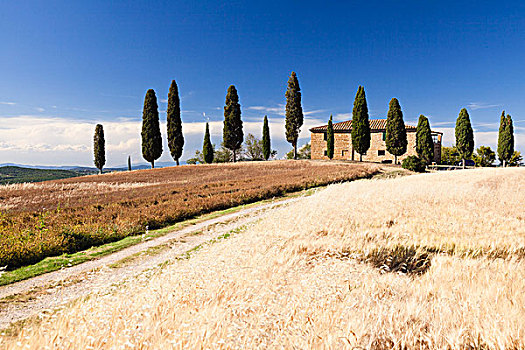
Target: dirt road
{"points": [[45, 293]]}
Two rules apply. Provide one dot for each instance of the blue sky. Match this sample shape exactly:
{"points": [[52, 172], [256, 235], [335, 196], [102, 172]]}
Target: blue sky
{"points": [[67, 65]]}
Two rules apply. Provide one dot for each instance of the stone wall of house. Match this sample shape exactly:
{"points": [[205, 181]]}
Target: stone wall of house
{"points": [[318, 145], [343, 147]]}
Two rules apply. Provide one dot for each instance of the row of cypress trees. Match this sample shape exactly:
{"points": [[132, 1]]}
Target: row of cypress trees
{"points": [[232, 132], [233, 135], [465, 137], [505, 139], [396, 136], [151, 136]]}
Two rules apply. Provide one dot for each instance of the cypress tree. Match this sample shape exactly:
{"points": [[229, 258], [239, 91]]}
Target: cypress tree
{"points": [[502, 152], [424, 142], [505, 139], [330, 139], [510, 133], [464, 136], [151, 137], [129, 163], [266, 145], [99, 147], [360, 124], [232, 134], [175, 137], [396, 134], [294, 112], [207, 147]]}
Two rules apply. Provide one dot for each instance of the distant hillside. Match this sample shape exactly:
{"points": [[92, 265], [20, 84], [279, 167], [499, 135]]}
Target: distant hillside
{"points": [[15, 174], [79, 168]]}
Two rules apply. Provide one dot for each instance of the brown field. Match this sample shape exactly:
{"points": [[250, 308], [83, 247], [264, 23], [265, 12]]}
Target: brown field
{"points": [[319, 273], [50, 218]]}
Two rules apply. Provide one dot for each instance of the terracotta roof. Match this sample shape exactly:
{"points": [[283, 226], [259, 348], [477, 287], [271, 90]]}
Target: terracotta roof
{"points": [[346, 126]]}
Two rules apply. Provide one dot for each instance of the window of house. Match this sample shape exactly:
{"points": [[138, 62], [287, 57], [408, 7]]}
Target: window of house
{"points": [[381, 152], [344, 153], [384, 135], [325, 152], [325, 137]]}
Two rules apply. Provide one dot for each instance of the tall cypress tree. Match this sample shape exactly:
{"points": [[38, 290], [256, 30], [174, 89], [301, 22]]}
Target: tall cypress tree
{"points": [[151, 137], [330, 139], [396, 134], [464, 136], [510, 133], [129, 163], [207, 147], [266, 145], [99, 147], [175, 137], [232, 134], [294, 112], [424, 142], [502, 145], [360, 124], [505, 139]]}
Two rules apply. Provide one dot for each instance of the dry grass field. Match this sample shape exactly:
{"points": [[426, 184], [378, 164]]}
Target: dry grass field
{"points": [[54, 217], [432, 261]]}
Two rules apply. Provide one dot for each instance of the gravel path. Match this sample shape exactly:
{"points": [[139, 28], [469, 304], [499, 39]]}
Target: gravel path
{"points": [[52, 290]]}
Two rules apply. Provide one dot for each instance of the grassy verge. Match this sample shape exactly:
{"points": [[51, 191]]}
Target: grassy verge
{"points": [[14, 329]]}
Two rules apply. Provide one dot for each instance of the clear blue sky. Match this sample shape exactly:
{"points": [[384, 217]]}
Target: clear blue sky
{"points": [[66, 65]]}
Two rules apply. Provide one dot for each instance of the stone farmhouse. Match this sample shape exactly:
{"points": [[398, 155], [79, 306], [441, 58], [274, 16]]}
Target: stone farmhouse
{"points": [[377, 152]]}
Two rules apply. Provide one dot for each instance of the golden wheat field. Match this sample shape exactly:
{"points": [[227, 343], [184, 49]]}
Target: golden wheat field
{"points": [[431, 261]]}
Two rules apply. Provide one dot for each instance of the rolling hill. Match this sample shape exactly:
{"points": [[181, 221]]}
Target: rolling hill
{"points": [[15, 174]]}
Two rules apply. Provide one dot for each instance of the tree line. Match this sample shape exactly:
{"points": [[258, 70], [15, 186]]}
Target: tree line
{"points": [[484, 155], [233, 135], [396, 136]]}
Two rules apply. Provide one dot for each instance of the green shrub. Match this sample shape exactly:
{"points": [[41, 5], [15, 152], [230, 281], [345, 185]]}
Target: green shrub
{"points": [[413, 163]]}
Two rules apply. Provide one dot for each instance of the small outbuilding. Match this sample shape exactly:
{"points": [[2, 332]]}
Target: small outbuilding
{"points": [[377, 152]]}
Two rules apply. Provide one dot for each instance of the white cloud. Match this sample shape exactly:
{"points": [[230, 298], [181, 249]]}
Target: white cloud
{"points": [[343, 116], [490, 125], [481, 105], [40, 109], [43, 140], [7, 103], [32, 139], [315, 111], [279, 110], [483, 138], [442, 123]]}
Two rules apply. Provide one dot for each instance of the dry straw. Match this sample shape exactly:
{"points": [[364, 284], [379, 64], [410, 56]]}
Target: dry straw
{"points": [[300, 277]]}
